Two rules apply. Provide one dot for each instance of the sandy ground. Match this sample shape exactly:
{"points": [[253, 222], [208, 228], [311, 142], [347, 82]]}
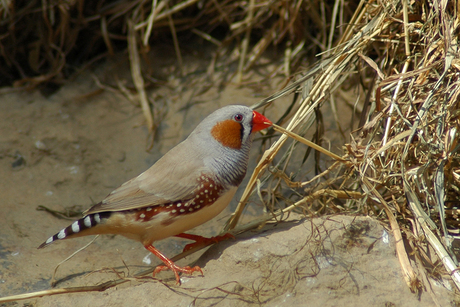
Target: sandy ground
{"points": [[68, 151]]}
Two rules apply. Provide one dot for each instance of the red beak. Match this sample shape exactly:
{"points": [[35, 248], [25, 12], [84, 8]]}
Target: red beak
{"points": [[259, 122]]}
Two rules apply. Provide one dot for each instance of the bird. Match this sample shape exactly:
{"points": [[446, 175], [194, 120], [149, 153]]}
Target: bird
{"points": [[192, 183]]}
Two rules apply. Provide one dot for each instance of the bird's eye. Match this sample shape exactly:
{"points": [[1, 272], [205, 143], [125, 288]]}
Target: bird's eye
{"points": [[238, 117]]}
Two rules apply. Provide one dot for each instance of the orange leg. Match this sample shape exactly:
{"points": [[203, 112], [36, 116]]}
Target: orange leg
{"points": [[202, 240], [171, 265]]}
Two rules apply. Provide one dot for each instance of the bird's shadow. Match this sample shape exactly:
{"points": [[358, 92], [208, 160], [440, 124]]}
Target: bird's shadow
{"points": [[215, 251], [212, 253]]}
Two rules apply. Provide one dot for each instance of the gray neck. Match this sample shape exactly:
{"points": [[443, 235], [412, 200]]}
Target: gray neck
{"points": [[231, 165]]}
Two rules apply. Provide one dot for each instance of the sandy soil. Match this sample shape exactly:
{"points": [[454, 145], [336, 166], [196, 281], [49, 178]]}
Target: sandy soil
{"points": [[68, 151]]}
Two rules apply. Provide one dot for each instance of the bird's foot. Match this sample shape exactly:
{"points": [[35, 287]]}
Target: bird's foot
{"points": [[176, 269], [169, 264]]}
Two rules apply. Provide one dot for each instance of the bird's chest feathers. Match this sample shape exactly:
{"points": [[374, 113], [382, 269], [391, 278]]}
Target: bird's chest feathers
{"points": [[209, 199], [174, 218], [228, 133], [206, 193]]}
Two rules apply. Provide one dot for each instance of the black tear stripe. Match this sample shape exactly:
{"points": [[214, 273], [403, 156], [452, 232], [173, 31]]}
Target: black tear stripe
{"points": [[88, 221]]}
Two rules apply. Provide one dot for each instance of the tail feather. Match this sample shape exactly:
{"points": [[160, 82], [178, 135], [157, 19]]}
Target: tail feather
{"points": [[77, 227]]}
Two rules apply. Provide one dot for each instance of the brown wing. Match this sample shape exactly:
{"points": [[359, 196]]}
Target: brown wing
{"points": [[173, 177]]}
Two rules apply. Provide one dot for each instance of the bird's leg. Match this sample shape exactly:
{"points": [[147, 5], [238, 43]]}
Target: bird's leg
{"points": [[202, 240], [171, 265]]}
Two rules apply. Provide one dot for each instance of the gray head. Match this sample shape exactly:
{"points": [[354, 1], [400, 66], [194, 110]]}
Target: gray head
{"points": [[226, 137]]}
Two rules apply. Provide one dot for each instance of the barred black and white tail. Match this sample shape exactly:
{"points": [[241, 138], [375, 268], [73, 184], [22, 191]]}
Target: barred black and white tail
{"points": [[82, 224]]}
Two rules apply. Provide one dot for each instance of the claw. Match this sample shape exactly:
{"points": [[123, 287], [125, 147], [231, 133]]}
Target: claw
{"points": [[169, 264], [175, 268]]}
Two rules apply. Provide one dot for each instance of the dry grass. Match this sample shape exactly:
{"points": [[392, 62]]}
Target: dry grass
{"points": [[404, 156], [43, 43], [402, 163], [46, 41]]}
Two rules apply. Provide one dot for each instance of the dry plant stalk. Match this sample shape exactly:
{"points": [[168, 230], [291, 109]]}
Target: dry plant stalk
{"points": [[137, 76], [308, 143]]}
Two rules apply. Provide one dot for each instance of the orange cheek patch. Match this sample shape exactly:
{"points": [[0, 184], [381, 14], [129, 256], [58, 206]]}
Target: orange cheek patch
{"points": [[228, 133]]}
